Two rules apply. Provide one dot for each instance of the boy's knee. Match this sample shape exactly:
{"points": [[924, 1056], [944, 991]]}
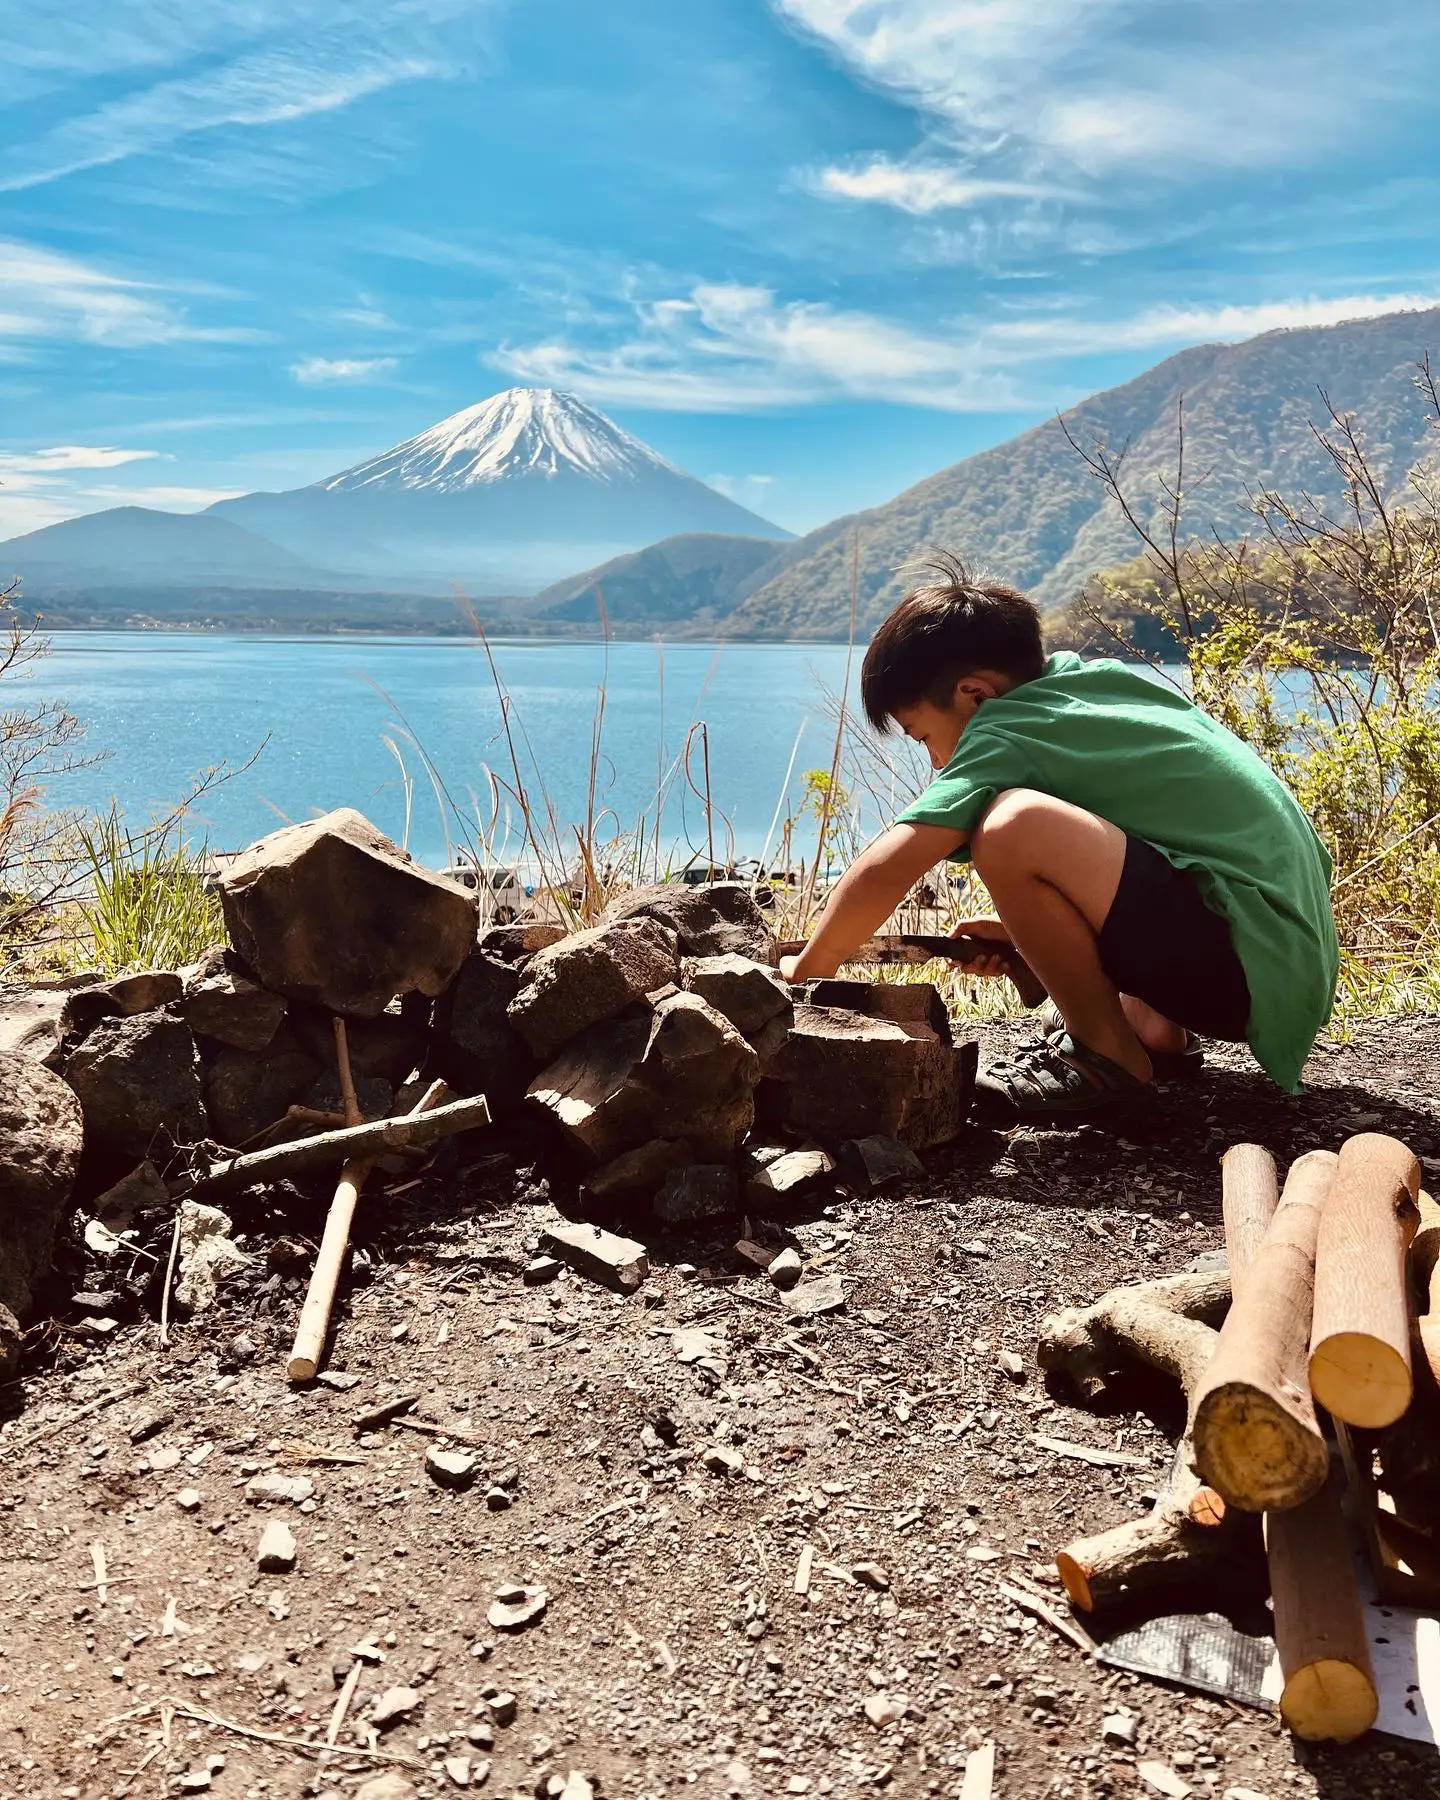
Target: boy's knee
{"points": [[1008, 825]]}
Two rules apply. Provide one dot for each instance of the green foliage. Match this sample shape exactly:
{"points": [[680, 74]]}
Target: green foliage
{"points": [[148, 904]]}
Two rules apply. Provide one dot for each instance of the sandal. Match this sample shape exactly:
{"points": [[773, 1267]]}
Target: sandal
{"points": [[1058, 1078], [1169, 1065]]}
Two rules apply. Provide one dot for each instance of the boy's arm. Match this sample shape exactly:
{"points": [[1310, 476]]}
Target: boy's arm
{"points": [[867, 893]]}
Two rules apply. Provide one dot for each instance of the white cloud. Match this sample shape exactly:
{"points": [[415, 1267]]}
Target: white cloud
{"points": [[920, 187], [314, 371], [724, 347], [744, 490], [47, 294], [178, 498], [64, 457]]}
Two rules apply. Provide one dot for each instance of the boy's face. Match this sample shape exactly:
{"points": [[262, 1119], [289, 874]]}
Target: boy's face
{"points": [[938, 728]]}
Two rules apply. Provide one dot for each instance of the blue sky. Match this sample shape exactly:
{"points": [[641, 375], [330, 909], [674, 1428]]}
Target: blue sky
{"points": [[811, 250]]}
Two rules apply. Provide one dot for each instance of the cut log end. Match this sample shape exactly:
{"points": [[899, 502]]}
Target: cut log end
{"points": [[1261, 1453], [1329, 1701], [1361, 1379], [301, 1368], [1075, 1582]]}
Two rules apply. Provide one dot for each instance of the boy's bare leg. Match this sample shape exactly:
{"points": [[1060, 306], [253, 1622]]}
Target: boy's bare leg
{"points": [[1053, 870], [1153, 1029]]}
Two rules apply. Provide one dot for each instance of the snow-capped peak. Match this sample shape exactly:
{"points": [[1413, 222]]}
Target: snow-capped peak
{"points": [[524, 431]]}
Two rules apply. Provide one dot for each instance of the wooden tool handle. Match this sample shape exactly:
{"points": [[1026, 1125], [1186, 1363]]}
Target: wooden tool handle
{"points": [[969, 946]]}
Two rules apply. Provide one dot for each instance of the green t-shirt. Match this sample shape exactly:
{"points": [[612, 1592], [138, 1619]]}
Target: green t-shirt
{"points": [[1142, 756]]}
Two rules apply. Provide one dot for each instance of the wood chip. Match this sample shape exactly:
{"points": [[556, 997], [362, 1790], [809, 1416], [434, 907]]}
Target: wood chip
{"points": [[979, 1779], [803, 1568], [1042, 1610], [1087, 1453]]}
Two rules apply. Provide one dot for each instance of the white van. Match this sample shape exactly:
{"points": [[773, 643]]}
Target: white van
{"points": [[502, 898]]}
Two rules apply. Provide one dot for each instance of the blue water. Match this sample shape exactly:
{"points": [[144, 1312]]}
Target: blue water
{"points": [[167, 705]]}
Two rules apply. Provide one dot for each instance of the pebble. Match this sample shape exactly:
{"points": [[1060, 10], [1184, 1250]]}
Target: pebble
{"points": [[1011, 1365], [503, 1708], [277, 1550], [188, 1499], [338, 1379], [722, 1461], [1163, 1779], [516, 1607], [451, 1468], [577, 1787], [458, 1769], [1119, 1728], [151, 1423], [1239, 1793], [193, 1781], [166, 1457], [541, 1269], [812, 1298], [388, 1786], [786, 1270], [481, 1735], [885, 1709], [394, 1704], [275, 1489], [872, 1575], [497, 1499]]}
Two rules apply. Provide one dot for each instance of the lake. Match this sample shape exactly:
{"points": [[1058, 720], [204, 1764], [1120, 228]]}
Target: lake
{"points": [[166, 705]]}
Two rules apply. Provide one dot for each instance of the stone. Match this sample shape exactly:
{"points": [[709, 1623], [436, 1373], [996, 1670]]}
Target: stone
{"points": [[274, 1489], [720, 919], [519, 941], [474, 1044], [450, 1468], [901, 1002], [394, 1704], [503, 1708], [515, 1607], [188, 1499], [540, 1269], [577, 1787], [756, 1256], [138, 1082], [720, 1459], [41, 1139], [140, 1191], [207, 1255], [588, 978], [749, 994], [373, 1094], [1119, 1728], [1163, 1779], [193, 1781], [618, 1262], [497, 1500], [871, 1575], [698, 1191], [165, 1458], [388, 1786], [277, 1552], [795, 1176], [637, 1173], [91, 1300], [869, 1164], [786, 1269], [1011, 1366], [331, 912], [247, 1091], [885, 1709], [457, 1768], [842, 1074], [481, 1734], [221, 1001], [32, 1017], [812, 1298]]}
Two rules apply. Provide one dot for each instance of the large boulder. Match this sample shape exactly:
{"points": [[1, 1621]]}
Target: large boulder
{"points": [[720, 920], [590, 977], [222, 1001], [332, 912], [41, 1137], [680, 1074], [842, 1074], [138, 1080], [750, 994], [474, 1046]]}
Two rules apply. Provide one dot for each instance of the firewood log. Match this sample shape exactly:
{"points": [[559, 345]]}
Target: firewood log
{"points": [[1256, 1441], [1425, 1268], [1360, 1337], [1249, 1194], [1320, 1634]]}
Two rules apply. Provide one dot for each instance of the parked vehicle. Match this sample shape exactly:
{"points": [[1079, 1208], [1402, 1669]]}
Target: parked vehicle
{"points": [[502, 898]]}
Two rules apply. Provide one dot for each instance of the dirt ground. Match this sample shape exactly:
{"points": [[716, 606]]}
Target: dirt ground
{"points": [[675, 1654]]}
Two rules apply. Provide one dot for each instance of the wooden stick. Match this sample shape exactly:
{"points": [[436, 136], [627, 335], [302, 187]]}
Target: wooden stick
{"points": [[409, 1132], [169, 1278], [1255, 1438], [1249, 1194], [325, 1278], [1360, 1338], [1329, 1691], [1167, 1548], [348, 1101], [1425, 1266]]}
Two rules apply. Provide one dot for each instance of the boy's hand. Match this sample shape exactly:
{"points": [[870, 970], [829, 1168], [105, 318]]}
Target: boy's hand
{"points": [[788, 966], [985, 928]]}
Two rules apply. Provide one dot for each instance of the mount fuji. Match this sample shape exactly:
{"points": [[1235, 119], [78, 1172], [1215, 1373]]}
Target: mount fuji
{"points": [[507, 495]]}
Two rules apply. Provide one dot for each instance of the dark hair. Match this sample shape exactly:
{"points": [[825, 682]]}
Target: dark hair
{"points": [[943, 631]]}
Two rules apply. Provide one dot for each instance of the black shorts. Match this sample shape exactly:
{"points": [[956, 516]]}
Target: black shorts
{"points": [[1162, 944]]}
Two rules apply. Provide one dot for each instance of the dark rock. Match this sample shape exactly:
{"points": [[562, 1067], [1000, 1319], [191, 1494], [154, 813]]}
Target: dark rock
{"points": [[474, 1045], [720, 920], [41, 1137], [138, 1080], [748, 993], [514, 943], [90, 1301], [246, 1091], [843, 1075], [797, 1175], [588, 978], [224, 1002], [32, 1019], [637, 1172], [618, 1262], [387, 1048], [902, 1002], [868, 1164], [373, 1095], [331, 912], [125, 996], [140, 1191], [701, 1191]]}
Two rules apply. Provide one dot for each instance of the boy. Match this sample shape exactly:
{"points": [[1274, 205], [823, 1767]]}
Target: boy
{"points": [[1157, 877]]}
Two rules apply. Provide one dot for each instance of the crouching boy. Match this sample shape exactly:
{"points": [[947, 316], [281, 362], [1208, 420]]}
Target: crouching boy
{"points": [[1158, 878]]}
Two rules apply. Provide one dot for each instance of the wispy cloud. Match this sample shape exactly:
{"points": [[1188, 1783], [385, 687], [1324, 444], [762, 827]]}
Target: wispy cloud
{"points": [[316, 371], [921, 188], [47, 294], [724, 347], [65, 457], [745, 490]]}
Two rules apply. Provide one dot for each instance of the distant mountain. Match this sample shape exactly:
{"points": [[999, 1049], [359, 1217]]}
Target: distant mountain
{"points": [[1031, 513], [505, 495], [134, 545], [689, 580]]}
